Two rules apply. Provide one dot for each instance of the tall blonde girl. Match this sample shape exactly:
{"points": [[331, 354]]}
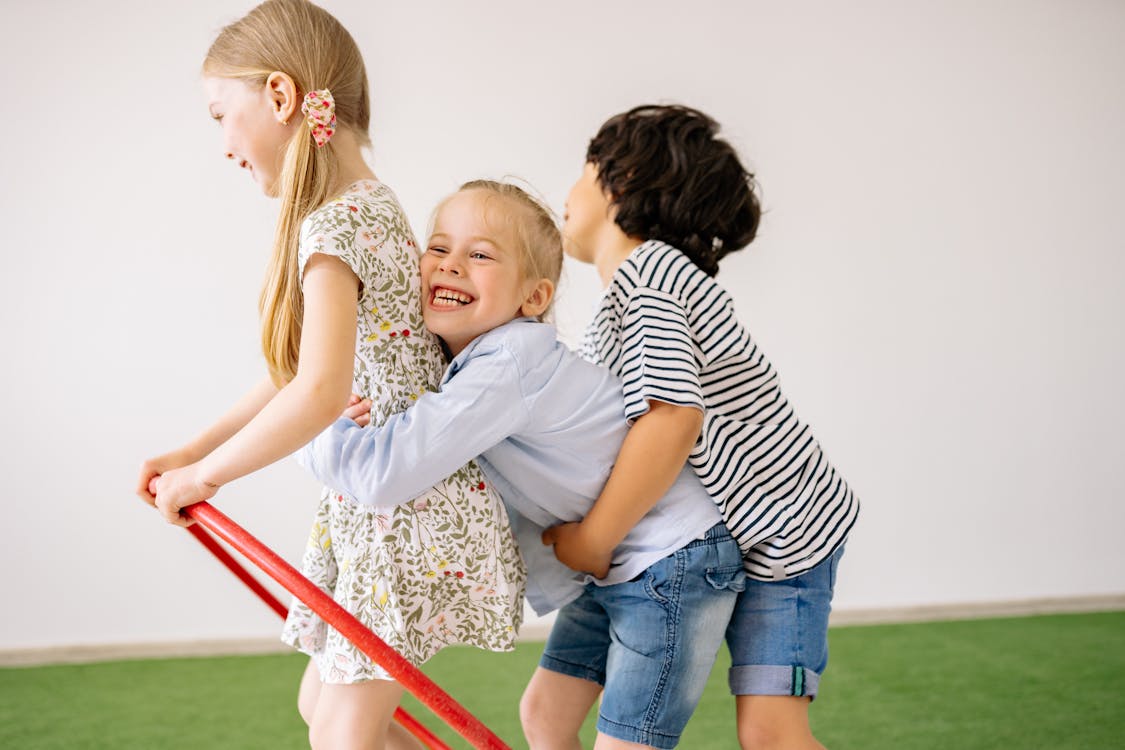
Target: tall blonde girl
{"points": [[341, 313]]}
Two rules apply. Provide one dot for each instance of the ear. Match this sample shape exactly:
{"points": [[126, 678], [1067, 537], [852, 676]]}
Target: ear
{"points": [[283, 96], [538, 299]]}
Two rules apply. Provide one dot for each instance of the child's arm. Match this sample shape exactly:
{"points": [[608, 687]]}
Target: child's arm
{"points": [[305, 406], [389, 464], [660, 382], [208, 440], [652, 456]]}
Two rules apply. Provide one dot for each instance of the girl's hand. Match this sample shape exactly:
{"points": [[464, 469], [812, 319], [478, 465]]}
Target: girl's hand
{"points": [[576, 551], [359, 410], [154, 467], [180, 488]]}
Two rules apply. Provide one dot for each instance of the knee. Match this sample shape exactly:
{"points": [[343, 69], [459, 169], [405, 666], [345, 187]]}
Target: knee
{"points": [[757, 736], [538, 730], [324, 735], [774, 735], [319, 738], [306, 704], [531, 716]]}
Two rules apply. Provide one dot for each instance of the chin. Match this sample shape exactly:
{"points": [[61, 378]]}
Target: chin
{"points": [[430, 325], [270, 185], [573, 250]]}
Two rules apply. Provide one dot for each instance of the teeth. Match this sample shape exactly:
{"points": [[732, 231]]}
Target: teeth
{"points": [[451, 297]]}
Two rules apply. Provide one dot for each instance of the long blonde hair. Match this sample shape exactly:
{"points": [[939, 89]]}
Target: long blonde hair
{"points": [[308, 44]]}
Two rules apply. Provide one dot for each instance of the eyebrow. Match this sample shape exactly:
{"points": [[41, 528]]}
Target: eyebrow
{"points": [[474, 238]]}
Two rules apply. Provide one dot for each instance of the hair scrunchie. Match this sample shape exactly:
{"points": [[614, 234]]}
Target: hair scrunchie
{"points": [[319, 109]]}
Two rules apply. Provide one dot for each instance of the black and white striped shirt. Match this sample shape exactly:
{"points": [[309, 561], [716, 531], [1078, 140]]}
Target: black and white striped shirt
{"points": [[669, 331]]}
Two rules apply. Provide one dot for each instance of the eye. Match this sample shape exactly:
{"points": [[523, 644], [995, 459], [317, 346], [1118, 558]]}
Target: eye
{"points": [[436, 250], [480, 255]]}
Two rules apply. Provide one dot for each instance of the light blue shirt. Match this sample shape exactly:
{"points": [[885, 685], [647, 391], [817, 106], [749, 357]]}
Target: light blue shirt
{"points": [[545, 427]]}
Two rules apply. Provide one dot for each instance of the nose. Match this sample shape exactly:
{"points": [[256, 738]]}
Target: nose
{"points": [[450, 266]]}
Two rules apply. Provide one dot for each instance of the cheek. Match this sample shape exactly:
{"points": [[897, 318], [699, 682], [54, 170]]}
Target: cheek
{"points": [[575, 218], [264, 142], [512, 291], [587, 202]]}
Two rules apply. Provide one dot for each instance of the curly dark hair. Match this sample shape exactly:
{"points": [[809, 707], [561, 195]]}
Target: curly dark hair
{"points": [[671, 178]]}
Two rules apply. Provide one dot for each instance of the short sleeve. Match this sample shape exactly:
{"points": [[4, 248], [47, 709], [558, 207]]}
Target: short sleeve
{"points": [[340, 229], [659, 361]]}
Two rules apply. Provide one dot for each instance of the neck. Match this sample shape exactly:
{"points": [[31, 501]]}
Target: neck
{"points": [[352, 166], [612, 251]]}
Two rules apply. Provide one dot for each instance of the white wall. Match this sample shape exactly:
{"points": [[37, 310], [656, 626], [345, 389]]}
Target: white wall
{"points": [[938, 277]]}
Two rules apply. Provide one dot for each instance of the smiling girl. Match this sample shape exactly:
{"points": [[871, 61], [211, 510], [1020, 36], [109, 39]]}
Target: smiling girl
{"points": [[340, 312]]}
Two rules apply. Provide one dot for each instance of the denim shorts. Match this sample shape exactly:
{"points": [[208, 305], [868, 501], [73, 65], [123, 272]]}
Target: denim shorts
{"points": [[651, 642], [778, 635]]}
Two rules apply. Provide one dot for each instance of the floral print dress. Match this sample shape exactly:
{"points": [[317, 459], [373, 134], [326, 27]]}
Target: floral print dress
{"points": [[442, 568]]}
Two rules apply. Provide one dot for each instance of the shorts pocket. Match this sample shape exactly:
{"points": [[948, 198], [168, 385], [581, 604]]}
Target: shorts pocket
{"points": [[660, 579], [732, 577]]}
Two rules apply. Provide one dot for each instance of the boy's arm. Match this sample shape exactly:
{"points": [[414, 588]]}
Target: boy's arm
{"points": [[652, 456], [410, 452], [664, 399]]}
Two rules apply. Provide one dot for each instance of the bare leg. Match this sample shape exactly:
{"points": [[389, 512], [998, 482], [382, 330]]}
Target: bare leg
{"points": [[354, 717], [308, 692], [398, 738], [553, 707], [605, 742], [766, 722]]}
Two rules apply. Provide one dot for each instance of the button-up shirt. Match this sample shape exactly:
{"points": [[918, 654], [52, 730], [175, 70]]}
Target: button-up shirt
{"points": [[545, 427]]}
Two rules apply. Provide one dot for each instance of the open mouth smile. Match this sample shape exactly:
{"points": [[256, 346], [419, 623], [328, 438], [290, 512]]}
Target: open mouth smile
{"points": [[448, 298]]}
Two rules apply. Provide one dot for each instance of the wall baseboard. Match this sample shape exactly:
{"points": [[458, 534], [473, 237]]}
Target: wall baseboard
{"points": [[82, 653], [978, 610], [537, 631]]}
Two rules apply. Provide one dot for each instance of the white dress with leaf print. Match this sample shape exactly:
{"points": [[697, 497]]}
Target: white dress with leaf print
{"points": [[444, 567]]}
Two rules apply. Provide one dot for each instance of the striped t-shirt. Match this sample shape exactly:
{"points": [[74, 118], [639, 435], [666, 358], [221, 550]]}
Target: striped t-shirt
{"points": [[669, 332]]}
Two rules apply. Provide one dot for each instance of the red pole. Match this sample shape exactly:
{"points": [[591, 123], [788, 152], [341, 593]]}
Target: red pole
{"points": [[402, 716], [409, 676], [225, 558]]}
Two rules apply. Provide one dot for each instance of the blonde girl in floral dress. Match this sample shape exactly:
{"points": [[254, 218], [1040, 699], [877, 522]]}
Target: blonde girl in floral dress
{"points": [[340, 313]]}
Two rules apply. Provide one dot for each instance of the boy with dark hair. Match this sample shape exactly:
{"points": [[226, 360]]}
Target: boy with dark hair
{"points": [[661, 200]]}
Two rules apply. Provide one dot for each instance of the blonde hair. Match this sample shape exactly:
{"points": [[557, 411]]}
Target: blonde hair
{"points": [[308, 44], [535, 228]]}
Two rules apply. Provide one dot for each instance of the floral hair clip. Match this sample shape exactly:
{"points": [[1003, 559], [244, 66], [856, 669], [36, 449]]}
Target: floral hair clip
{"points": [[320, 112]]}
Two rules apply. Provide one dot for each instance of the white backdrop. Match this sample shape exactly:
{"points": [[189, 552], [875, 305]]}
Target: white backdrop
{"points": [[939, 277]]}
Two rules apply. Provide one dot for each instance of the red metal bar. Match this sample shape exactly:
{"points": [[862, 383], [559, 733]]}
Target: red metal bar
{"points": [[402, 716], [243, 575], [419, 730], [409, 676]]}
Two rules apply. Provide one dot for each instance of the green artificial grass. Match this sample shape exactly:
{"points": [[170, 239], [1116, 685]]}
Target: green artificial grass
{"points": [[1035, 682]]}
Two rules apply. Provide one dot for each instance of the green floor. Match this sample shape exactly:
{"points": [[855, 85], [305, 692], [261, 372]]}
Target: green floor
{"points": [[1036, 682]]}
